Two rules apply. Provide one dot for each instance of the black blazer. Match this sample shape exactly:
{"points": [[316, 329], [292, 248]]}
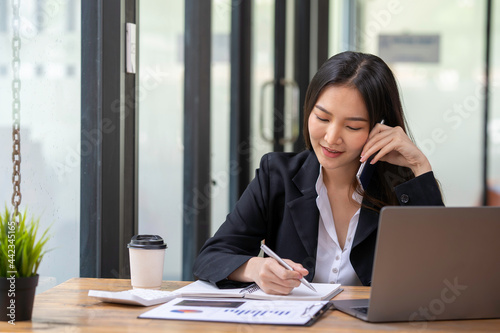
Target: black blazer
{"points": [[279, 205]]}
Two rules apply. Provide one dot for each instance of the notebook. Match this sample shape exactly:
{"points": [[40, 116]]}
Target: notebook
{"points": [[433, 263], [325, 291]]}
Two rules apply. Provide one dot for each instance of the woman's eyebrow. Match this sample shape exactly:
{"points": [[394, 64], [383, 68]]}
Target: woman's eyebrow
{"points": [[322, 109], [354, 118]]}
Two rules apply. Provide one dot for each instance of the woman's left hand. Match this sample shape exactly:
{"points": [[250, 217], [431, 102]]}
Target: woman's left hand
{"points": [[392, 145]]}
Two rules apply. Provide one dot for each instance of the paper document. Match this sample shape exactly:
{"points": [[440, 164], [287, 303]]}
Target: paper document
{"points": [[240, 311]]}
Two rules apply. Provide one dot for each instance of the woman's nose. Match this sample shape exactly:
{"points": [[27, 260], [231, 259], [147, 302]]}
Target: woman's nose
{"points": [[332, 135]]}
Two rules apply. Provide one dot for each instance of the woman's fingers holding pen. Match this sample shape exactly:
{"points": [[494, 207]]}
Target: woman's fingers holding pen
{"points": [[374, 142], [273, 278], [297, 267], [382, 141]]}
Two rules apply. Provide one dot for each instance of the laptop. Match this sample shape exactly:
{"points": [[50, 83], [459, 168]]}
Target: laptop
{"points": [[433, 263]]}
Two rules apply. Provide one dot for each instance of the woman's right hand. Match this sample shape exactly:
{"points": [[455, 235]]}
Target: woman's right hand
{"points": [[392, 145], [269, 275]]}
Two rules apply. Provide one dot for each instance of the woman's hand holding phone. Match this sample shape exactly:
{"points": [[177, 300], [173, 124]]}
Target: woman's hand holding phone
{"points": [[392, 145]]}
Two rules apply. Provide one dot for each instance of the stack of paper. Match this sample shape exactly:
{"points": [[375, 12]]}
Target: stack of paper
{"points": [[203, 301]]}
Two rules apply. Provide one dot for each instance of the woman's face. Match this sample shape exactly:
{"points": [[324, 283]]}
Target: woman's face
{"points": [[338, 128]]}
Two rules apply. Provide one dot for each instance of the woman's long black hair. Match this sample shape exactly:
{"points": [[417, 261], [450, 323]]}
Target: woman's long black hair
{"points": [[371, 76]]}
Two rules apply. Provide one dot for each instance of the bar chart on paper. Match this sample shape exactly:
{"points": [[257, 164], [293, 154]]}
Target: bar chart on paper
{"points": [[257, 313]]}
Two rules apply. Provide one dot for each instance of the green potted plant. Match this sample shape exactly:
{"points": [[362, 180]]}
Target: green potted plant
{"points": [[20, 256]]}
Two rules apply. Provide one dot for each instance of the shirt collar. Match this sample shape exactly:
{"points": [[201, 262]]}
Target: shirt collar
{"points": [[321, 185]]}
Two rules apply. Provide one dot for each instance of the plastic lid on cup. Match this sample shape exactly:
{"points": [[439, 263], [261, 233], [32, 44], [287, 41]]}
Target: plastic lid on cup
{"points": [[148, 242]]}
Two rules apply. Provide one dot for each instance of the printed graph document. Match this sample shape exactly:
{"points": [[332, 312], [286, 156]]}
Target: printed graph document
{"points": [[325, 291], [240, 311]]}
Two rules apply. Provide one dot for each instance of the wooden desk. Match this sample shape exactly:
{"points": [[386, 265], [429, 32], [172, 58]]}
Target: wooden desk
{"points": [[67, 308]]}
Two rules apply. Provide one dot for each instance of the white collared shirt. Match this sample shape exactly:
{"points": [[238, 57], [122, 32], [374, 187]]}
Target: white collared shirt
{"points": [[332, 262]]}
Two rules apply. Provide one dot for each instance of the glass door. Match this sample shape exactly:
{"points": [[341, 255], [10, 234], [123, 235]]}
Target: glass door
{"points": [[275, 100], [160, 98]]}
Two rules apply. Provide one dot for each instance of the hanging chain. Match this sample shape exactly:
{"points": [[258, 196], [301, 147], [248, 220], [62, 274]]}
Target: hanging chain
{"points": [[16, 109]]}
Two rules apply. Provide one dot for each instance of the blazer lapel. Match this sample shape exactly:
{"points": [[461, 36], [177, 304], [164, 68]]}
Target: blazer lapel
{"points": [[303, 209], [367, 223], [368, 218]]}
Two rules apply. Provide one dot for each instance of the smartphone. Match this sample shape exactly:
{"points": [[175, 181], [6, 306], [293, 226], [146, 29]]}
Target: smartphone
{"points": [[365, 171]]}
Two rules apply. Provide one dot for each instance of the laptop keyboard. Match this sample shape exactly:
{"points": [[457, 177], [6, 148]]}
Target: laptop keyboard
{"points": [[362, 309]]}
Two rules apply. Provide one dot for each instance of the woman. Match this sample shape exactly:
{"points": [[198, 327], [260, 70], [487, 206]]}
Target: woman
{"points": [[308, 207]]}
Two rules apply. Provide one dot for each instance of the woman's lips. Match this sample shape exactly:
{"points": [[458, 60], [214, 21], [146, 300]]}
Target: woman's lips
{"points": [[332, 153]]}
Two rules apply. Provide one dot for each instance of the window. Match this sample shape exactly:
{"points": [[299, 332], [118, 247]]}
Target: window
{"points": [[50, 126]]}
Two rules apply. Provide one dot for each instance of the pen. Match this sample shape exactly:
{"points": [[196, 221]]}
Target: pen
{"points": [[273, 255]]}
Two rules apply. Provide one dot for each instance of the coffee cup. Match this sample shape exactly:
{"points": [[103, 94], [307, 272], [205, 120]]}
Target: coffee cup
{"points": [[146, 261]]}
